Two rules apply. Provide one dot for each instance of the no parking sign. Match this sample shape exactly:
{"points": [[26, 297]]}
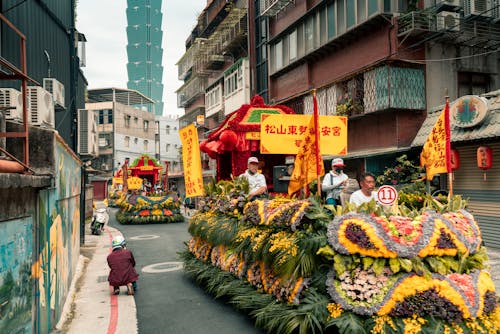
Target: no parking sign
{"points": [[387, 195]]}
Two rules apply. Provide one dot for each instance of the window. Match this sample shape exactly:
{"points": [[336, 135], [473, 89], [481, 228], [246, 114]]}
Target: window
{"points": [[341, 16], [471, 83], [136, 120], [331, 21], [309, 34], [350, 13], [278, 57], [127, 141], [167, 147], [323, 35], [146, 145], [167, 129], [233, 81], [127, 121], [136, 141], [361, 7], [146, 125], [292, 45]]}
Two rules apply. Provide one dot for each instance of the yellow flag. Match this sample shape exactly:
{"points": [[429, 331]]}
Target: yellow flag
{"points": [[304, 170], [193, 178], [435, 154]]}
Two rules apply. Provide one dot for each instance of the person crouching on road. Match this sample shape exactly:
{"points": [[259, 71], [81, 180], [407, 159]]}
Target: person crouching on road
{"points": [[256, 181], [121, 262]]}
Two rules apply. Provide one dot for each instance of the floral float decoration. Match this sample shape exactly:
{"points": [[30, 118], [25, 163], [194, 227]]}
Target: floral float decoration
{"points": [[296, 267], [136, 209]]}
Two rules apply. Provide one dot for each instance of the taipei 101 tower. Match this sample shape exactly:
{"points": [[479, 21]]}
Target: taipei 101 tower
{"points": [[144, 51]]}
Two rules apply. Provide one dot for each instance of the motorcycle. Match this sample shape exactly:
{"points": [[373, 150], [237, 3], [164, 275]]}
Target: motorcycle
{"points": [[99, 219]]}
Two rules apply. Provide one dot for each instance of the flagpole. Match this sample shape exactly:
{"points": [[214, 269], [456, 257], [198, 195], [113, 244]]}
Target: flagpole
{"points": [[316, 141], [448, 148]]}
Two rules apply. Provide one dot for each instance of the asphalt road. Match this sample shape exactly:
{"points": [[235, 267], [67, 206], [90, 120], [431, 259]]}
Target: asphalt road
{"points": [[167, 300]]}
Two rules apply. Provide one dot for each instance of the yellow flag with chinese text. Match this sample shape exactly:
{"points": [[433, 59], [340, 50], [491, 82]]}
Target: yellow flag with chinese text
{"points": [[435, 156], [193, 178], [305, 168]]}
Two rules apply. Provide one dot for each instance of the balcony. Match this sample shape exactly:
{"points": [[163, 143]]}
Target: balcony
{"points": [[190, 90], [185, 64], [273, 7], [230, 33], [451, 27], [383, 88]]}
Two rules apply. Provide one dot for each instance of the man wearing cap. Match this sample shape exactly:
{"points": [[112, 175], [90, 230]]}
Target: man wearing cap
{"points": [[256, 180], [334, 182]]}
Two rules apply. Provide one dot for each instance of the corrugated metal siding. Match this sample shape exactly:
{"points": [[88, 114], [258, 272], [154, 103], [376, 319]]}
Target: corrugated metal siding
{"points": [[483, 195], [46, 26]]}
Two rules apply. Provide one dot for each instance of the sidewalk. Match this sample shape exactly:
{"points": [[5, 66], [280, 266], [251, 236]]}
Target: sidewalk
{"points": [[95, 309]]}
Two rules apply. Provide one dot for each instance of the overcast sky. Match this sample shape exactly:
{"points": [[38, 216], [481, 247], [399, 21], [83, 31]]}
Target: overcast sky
{"points": [[104, 24]]}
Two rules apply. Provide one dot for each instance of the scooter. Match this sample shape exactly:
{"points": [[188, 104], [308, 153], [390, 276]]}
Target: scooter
{"points": [[99, 219]]}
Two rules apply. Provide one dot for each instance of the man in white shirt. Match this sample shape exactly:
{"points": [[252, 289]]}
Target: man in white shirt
{"points": [[334, 182], [366, 193], [256, 180]]}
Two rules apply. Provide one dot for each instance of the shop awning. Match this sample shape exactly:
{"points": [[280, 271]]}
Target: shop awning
{"points": [[370, 153], [488, 128]]}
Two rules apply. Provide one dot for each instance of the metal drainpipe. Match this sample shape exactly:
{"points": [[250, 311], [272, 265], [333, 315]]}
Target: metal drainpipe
{"points": [[3, 140]]}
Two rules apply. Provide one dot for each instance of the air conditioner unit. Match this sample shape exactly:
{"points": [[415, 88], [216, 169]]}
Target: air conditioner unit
{"points": [[13, 99], [448, 21], [41, 107], [88, 138], [55, 88], [477, 8]]}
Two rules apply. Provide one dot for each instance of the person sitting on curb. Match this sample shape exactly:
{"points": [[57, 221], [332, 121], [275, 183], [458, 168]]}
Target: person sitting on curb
{"points": [[121, 262], [256, 181]]}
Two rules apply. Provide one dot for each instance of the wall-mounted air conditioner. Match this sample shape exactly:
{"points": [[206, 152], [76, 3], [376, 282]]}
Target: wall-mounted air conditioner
{"points": [[41, 107], [88, 138], [55, 88], [448, 21], [12, 99], [478, 8]]}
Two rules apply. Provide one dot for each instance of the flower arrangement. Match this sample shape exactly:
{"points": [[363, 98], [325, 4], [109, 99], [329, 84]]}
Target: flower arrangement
{"points": [[297, 267], [146, 210]]}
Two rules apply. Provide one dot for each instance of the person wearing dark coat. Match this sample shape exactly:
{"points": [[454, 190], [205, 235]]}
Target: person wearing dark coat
{"points": [[121, 262]]}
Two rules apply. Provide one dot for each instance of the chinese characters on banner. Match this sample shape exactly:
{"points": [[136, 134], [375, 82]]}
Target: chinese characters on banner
{"points": [[435, 155], [192, 162], [305, 161], [284, 134]]}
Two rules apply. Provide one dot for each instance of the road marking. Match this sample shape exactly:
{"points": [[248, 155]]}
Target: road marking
{"points": [[162, 267], [144, 237]]}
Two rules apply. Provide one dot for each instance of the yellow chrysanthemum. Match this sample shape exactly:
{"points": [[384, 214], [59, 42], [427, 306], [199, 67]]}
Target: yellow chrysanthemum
{"points": [[380, 323], [413, 325], [335, 310]]}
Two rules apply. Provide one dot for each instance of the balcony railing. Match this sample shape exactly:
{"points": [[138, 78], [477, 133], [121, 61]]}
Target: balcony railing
{"points": [[273, 7], [190, 90]]}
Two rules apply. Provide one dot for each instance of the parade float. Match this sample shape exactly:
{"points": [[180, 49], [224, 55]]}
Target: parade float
{"points": [[139, 204], [298, 266], [238, 138]]}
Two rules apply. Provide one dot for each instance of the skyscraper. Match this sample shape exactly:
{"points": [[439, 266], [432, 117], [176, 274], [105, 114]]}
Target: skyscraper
{"points": [[144, 51]]}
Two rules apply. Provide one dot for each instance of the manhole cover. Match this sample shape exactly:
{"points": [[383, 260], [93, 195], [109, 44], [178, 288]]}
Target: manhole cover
{"points": [[144, 237], [162, 267]]}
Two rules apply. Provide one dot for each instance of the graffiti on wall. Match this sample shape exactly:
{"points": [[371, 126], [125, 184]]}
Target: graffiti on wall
{"points": [[59, 239], [16, 247]]}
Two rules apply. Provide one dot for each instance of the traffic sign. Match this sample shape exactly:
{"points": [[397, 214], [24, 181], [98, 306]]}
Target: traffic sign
{"points": [[387, 195]]}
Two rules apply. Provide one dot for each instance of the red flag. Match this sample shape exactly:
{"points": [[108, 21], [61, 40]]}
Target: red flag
{"points": [[307, 167], [436, 153]]}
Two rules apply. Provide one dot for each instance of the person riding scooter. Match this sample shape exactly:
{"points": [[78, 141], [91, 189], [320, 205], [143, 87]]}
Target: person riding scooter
{"points": [[99, 219], [121, 262]]}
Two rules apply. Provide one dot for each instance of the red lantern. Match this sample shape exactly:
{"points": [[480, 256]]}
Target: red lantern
{"points": [[228, 138], [484, 158], [455, 160]]}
